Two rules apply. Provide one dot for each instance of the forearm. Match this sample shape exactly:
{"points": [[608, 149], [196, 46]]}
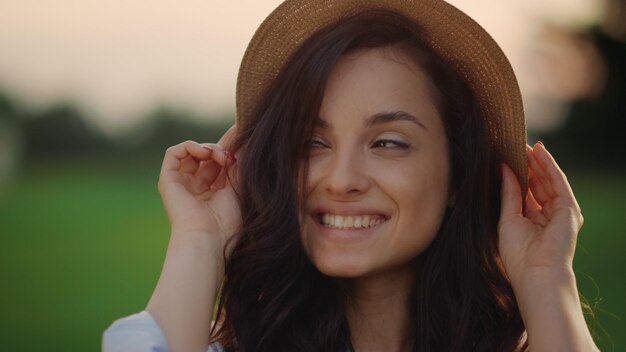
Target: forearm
{"points": [[182, 302], [552, 313]]}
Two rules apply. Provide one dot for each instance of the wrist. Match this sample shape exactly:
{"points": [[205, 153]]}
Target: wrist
{"points": [[540, 278], [550, 307], [543, 291], [200, 238], [199, 246]]}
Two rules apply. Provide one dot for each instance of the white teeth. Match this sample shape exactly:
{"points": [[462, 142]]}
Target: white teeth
{"points": [[351, 222], [366, 221]]}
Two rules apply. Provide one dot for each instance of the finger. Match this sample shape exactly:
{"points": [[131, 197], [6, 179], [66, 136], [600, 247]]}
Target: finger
{"points": [[228, 176], [555, 175], [226, 157], [539, 194], [530, 203], [557, 178], [533, 210], [200, 186], [214, 173], [208, 171], [189, 165], [225, 146], [175, 154], [542, 179], [537, 187], [227, 143], [511, 195], [222, 156]]}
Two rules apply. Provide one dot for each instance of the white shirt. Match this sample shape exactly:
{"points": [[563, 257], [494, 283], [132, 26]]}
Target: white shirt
{"points": [[139, 333]]}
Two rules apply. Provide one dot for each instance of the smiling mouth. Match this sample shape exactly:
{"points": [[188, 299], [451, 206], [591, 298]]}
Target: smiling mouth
{"points": [[351, 222]]}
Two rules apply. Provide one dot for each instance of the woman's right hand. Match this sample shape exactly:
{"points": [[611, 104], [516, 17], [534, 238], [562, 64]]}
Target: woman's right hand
{"points": [[202, 206], [197, 194]]}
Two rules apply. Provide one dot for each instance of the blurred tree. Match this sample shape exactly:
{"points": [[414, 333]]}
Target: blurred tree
{"points": [[60, 130], [167, 126], [10, 139], [8, 109]]}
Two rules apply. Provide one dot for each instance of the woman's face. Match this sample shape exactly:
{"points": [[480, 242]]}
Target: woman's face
{"points": [[379, 172]]}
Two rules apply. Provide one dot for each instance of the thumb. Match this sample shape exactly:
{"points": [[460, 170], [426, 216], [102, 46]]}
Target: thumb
{"points": [[510, 194]]}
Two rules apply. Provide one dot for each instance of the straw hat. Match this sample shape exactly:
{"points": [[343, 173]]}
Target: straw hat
{"points": [[453, 35]]}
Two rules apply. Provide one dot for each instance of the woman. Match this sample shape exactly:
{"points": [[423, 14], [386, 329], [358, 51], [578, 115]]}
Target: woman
{"points": [[373, 203]]}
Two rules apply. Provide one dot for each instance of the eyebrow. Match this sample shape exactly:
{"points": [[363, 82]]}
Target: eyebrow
{"points": [[385, 117], [381, 118]]}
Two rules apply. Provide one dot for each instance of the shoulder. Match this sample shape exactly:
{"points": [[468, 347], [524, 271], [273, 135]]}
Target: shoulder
{"points": [[137, 332], [140, 332], [216, 347]]}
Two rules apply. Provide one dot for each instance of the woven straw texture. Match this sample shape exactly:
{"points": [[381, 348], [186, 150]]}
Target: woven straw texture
{"points": [[449, 32]]}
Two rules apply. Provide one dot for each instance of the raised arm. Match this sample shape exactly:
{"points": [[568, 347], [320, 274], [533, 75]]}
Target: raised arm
{"points": [[203, 211], [537, 246]]}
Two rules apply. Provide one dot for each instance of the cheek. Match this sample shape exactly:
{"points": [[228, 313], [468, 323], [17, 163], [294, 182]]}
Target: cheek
{"points": [[421, 213], [421, 196], [421, 184]]}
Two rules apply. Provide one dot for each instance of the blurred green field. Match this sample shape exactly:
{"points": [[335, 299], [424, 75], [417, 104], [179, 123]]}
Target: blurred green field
{"points": [[83, 242]]}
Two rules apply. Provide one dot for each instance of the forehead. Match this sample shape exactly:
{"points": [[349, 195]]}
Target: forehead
{"points": [[370, 81]]}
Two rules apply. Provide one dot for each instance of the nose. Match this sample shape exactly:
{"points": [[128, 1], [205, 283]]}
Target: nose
{"points": [[346, 176]]}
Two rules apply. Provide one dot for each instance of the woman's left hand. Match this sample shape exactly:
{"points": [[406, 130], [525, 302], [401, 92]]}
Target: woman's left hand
{"points": [[539, 239], [537, 244]]}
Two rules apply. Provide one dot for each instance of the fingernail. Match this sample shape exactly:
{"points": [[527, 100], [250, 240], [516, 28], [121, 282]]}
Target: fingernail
{"points": [[541, 143], [207, 147], [230, 156]]}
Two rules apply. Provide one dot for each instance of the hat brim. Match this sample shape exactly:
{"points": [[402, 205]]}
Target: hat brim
{"points": [[449, 32]]}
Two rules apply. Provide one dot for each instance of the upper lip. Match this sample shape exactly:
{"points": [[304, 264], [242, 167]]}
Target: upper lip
{"points": [[346, 210]]}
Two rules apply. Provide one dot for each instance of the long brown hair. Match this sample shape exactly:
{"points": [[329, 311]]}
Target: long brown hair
{"points": [[274, 299]]}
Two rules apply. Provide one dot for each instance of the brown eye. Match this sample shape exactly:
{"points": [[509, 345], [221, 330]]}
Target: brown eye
{"points": [[316, 142], [389, 143]]}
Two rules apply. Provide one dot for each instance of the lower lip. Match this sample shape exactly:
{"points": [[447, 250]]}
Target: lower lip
{"points": [[345, 234]]}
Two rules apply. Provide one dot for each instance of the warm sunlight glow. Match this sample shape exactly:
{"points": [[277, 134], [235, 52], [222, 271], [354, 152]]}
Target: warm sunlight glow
{"points": [[121, 59]]}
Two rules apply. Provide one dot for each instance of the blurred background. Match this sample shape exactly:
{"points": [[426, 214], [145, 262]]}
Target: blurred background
{"points": [[93, 92]]}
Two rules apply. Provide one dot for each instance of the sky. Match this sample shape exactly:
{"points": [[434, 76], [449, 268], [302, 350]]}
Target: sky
{"points": [[120, 59]]}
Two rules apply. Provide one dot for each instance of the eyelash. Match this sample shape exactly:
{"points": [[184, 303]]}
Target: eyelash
{"points": [[315, 143], [398, 144]]}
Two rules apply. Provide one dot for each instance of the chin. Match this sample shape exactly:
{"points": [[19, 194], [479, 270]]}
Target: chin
{"points": [[342, 266]]}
